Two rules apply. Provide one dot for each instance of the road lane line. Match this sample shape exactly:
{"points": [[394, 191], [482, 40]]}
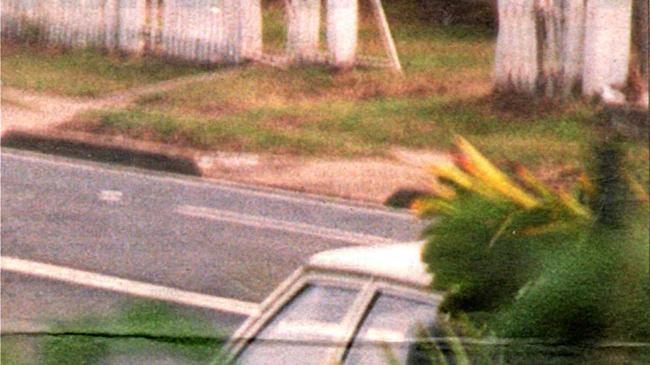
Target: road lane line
{"points": [[110, 195], [229, 186], [132, 287], [269, 223]]}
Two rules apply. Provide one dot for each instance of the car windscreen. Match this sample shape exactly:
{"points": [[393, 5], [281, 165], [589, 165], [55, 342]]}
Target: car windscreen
{"points": [[305, 330], [388, 330]]}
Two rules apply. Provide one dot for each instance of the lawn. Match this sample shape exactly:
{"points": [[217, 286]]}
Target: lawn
{"points": [[336, 125], [315, 110], [82, 72]]}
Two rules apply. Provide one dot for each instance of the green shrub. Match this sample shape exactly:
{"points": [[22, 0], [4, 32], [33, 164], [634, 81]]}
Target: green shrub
{"points": [[588, 292], [597, 287], [491, 235], [525, 261]]}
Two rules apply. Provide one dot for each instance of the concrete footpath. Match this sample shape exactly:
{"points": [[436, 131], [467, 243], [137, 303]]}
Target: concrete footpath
{"points": [[31, 121]]}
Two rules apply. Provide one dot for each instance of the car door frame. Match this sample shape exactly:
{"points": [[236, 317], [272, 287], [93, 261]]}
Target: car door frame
{"points": [[389, 287], [369, 287], [287, 291]]}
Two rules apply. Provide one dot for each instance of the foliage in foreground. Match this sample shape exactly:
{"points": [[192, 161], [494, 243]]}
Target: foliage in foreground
{"points": [[523, 260], [145, 332]]}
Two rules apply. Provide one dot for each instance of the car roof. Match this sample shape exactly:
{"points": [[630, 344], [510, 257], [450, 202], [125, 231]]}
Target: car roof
{"points": [[399, 261]]}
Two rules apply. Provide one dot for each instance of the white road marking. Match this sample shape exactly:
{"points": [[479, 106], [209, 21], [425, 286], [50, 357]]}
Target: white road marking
{"points": [[269, 223], [136, 288], [266, 192], [110, 195]]}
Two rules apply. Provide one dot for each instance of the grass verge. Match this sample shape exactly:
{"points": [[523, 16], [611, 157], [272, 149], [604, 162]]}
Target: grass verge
{"points": [[81, 72], [320, 112]]}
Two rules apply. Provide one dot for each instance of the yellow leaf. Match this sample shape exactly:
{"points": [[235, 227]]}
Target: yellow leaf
{"points": [[533, 183], [573, 205], [493, 177]]}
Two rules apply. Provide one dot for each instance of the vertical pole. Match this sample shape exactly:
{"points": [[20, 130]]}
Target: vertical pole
{"points": [[171, 9], [117, 25], [342, 29], [250, 18], [181, 36], [529, 48], [572, 44], [148, 26], [640, 37], [83, 22], [141, 31], [550, 14], [501, 53], [607, 45], [516, 58], [220, 30], [303, 29], [232, 34]]}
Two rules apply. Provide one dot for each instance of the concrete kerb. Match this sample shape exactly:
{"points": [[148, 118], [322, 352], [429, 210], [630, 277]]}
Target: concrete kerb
{"points": [[104, 148], [376, 181], [394, 181]]}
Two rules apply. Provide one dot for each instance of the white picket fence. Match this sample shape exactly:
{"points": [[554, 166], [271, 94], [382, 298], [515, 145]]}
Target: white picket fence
{"points": [[552, 47], [205, 31]]}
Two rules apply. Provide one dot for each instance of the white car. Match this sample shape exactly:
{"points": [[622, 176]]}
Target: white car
{"points": [[352, 305]]}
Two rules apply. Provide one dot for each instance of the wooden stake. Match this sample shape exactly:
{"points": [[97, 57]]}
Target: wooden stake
{"points": [[386, 36]]}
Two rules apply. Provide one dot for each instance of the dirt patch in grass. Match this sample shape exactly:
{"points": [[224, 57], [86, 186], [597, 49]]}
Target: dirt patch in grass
{"points": [[157, 128]]}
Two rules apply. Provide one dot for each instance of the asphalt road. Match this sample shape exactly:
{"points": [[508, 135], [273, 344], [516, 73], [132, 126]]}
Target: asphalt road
{"points": [[215, 238]]}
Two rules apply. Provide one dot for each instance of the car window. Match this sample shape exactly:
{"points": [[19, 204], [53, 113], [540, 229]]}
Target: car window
{"points": [[304, 330], [388, 327]]}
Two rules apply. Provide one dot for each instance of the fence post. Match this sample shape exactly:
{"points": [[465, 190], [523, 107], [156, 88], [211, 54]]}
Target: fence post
{"points": [[250, 24], [640, 45], [573, 45], [112, 22], [303, 29], [342, 28], [516, 58], [232, 31], [130, 25], [217, 41], [550, 15], [607, 46]]}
